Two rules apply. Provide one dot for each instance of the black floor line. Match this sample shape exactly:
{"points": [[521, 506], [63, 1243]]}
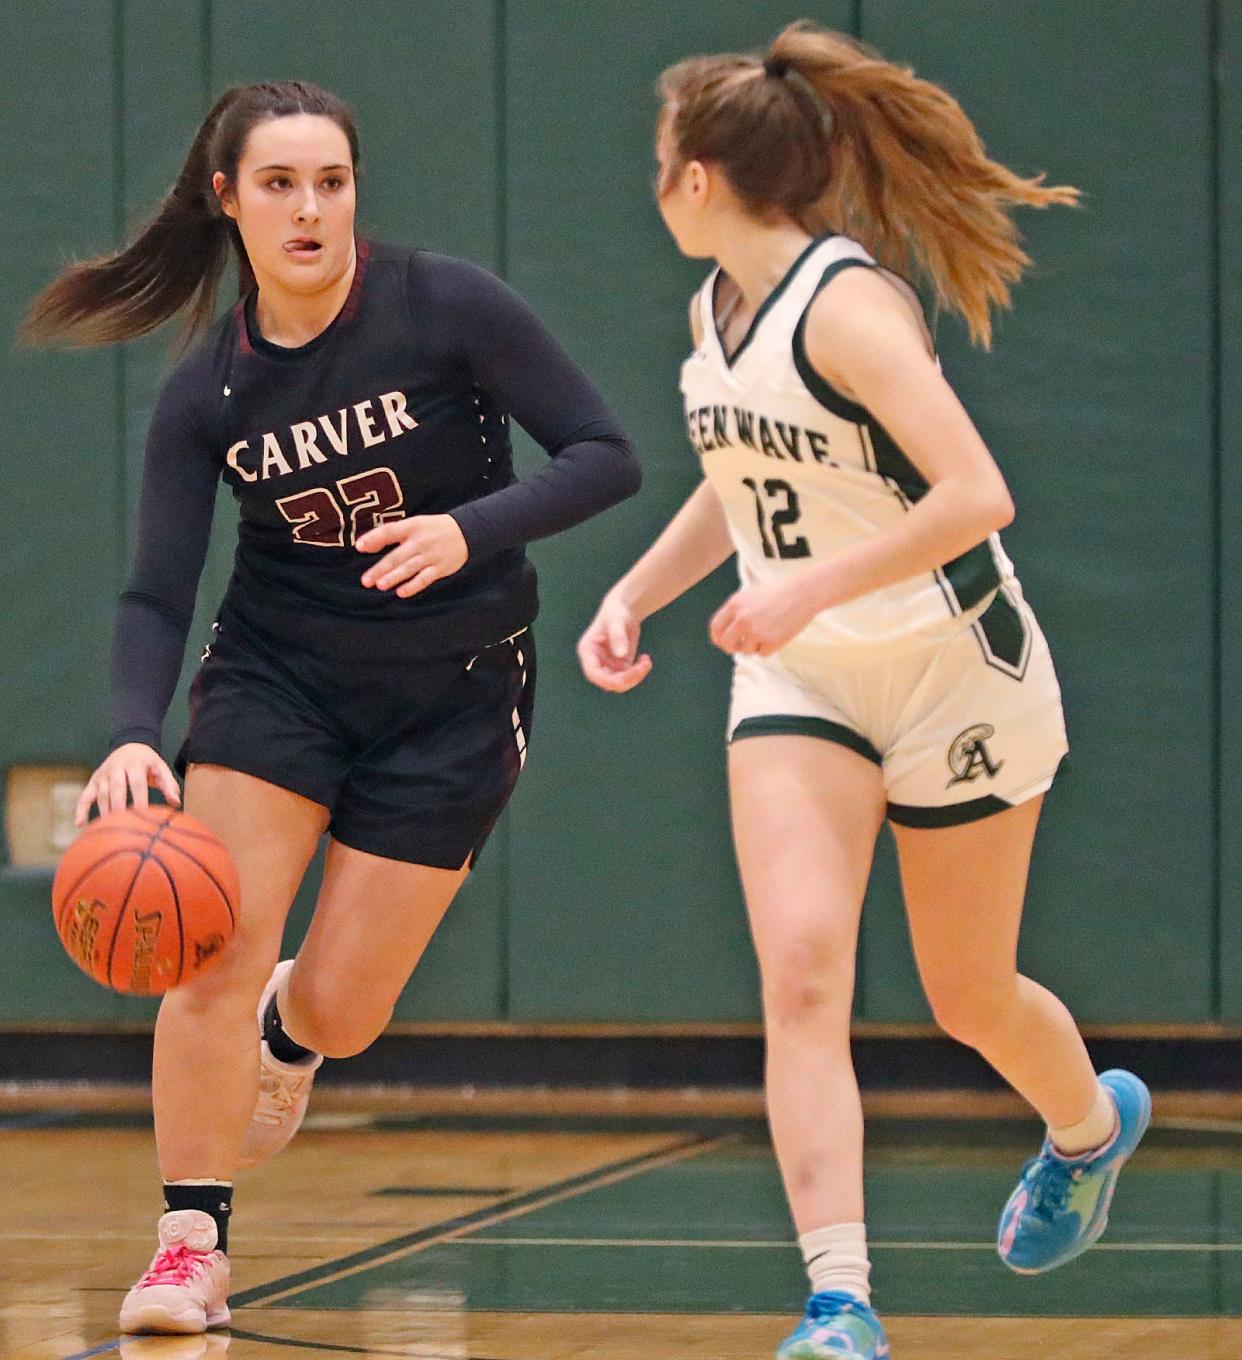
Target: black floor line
{"points": [[305, 1278]]}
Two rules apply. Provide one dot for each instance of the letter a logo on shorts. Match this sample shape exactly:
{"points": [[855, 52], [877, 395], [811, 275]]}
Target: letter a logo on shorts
{"points": [[969, 756]]}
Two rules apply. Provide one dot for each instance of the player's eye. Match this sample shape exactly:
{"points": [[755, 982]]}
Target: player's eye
{"points": [[334, 182], [278, 182]]}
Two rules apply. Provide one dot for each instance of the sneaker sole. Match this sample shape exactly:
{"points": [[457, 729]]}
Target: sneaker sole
{"points": [[153, 1319]]}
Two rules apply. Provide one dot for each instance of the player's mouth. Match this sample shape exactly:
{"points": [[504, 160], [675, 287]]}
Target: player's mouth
{"points": [[303, 248]]}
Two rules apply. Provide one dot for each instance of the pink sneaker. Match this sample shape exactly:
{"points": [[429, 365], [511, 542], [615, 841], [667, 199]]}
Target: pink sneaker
{"points": [[284, 1090], [186, 1288]]}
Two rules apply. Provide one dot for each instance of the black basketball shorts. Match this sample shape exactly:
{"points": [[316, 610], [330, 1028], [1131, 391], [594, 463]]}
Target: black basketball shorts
{"points": [[415, 760]]}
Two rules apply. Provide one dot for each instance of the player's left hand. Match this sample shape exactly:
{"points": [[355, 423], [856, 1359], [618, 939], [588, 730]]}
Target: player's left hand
{"points": [[760, 620], [428, 548]]}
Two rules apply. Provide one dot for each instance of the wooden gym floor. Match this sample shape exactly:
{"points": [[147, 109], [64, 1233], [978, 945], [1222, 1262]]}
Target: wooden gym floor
{"points": [[502, 1238]]}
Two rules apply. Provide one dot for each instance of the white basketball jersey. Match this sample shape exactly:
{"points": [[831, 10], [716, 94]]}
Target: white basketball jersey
{"points": [[802, 472]]}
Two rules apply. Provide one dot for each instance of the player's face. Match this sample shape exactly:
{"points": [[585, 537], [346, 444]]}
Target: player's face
{"points": [[680, 196], [294, 202]]}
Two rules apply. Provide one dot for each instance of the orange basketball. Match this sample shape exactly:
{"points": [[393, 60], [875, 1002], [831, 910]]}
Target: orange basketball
{"points": [[144, 900]]}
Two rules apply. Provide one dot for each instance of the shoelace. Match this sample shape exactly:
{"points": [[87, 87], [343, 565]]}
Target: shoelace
{"points": [[173, 1265], [821, 1306], [1050, 1181], [280, 1094]]}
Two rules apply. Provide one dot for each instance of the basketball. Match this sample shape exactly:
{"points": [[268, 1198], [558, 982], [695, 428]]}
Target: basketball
{"points": [[145, 900]]}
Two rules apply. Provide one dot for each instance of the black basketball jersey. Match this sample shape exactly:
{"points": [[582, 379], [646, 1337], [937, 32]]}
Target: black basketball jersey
{"points": [[400, 407]]}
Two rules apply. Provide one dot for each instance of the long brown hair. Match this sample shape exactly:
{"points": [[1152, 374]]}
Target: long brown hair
{"points": [[178, 256], [826, 132]]}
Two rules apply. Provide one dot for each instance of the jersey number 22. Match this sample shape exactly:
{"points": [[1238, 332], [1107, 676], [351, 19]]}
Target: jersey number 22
{"points": [[318, 517]]}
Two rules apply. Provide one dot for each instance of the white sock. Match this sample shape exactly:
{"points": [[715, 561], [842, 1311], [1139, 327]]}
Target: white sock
{"points": [[1089, 1133], [211, 1180], [836, 1258]]}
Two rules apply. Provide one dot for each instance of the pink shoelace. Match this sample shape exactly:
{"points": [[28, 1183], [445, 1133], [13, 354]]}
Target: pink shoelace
{"points": [[173, 1265]]}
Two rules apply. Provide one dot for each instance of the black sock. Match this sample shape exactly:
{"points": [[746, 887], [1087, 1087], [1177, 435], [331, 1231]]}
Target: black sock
{"points": [[284, 1049], [216, 1200]]}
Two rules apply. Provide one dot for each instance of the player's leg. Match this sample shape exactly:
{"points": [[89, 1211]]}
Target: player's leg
{"points": [[415, 808], [205, 1067], [805, 817], [374, 918], [978, 736], [208, 1025], [372, 923], [964, 888]]}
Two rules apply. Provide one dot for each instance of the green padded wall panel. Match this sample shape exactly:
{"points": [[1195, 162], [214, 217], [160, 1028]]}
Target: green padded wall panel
{"points": [[422, 80], [60, 522], [624, 897], [1229, 216], [1097, 401]]}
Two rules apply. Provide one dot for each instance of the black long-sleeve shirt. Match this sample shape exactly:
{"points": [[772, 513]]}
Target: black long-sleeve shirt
{"points": [[400, 407]]}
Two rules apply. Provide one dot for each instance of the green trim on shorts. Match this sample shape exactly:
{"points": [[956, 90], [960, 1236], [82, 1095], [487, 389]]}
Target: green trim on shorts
{"points": [[796, 725], [955, 814]]}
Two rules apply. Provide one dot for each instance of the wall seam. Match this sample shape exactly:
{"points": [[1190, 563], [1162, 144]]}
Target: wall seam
{"points": [[204, 33], [1216, 417], [861, 1008], [500, 21], [120, 358], [504, 872]]}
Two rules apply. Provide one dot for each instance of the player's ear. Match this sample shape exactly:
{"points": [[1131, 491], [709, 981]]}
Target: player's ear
{"points": [[228, 200]]}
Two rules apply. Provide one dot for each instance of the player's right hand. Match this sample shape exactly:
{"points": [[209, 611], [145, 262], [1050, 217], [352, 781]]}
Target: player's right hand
{"points": [[607, 650], [130, 768]]}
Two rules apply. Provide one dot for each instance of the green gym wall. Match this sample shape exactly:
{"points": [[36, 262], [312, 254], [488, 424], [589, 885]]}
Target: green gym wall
{"points": [[518, 133]]}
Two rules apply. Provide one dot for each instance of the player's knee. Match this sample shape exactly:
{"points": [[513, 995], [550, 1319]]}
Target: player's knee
{"points": [[336, 1025], [234, 982], [807, 984], [971, 1012]]}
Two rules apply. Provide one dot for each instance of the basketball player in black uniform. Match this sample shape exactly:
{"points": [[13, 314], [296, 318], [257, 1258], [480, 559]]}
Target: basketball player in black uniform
{"points": [[371, 671]]}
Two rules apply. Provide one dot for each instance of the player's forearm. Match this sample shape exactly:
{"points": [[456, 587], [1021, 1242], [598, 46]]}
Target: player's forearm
{"points": [[950, 520], [582, 480], [147, 651], [693, 545]]}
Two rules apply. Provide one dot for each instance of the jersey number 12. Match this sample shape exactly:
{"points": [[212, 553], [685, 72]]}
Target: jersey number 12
{"points": [[773, 521]]}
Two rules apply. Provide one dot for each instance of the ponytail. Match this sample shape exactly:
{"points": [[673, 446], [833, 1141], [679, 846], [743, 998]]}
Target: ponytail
{"points": [[834, 137], [177, 259]]}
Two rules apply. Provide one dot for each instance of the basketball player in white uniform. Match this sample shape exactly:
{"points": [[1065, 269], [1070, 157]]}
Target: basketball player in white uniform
{"points": [[886, 663]]}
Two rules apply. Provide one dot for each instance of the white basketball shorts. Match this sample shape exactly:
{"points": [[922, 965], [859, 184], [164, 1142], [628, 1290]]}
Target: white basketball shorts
{"points": [[961, 729]]}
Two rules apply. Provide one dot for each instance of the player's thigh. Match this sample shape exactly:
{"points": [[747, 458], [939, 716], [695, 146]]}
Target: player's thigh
{"points": [[271, 835], [806, 813], [964, 888], [373, 920]]}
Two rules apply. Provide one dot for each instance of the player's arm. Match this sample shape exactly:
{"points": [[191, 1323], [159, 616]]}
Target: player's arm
{"points": [[693, 545], [179, 481], [863, 338], [695, 542], [515, 359]]}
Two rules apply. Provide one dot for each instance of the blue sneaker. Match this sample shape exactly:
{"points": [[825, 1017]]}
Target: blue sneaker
{"points": [[835, 1327], [1061, 1204]]}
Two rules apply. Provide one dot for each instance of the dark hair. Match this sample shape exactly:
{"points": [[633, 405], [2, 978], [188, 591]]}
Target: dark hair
{"points": [[179, 255], [826, 132]]}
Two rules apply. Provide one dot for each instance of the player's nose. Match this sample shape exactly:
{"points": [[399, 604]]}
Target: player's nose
{"points": [[308, 208]]}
